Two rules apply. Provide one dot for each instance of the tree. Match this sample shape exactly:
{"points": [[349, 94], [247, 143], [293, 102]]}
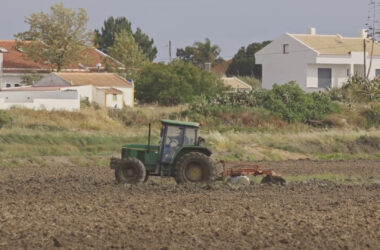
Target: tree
{"points": [[105, 38], [244, 63], [58, 38], [30, 79], [200, 53], [175, 83], [128, 53]]}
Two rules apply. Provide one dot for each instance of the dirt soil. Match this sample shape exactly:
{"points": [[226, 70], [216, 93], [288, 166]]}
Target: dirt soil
{"points": [[64, 205]]}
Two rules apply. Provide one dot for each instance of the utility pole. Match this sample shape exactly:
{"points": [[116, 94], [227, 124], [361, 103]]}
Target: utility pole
{"points": [[170, 51], [372, 25], [365, 57]]}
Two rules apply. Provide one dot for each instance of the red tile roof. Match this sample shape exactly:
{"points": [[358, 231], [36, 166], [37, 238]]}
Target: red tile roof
{"points": [[17, 62]]}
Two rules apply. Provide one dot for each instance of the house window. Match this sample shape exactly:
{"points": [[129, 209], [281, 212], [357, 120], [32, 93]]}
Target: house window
{"points": [[324, 78], [8, 85], [377, 72], [114, 97], [285, 49]]}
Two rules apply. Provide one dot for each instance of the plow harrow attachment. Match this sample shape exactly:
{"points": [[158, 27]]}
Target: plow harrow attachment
{"points": [[239, 170]]}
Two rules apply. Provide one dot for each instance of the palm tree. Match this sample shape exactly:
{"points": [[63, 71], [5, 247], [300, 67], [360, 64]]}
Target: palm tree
{"points": [[206, 52]]}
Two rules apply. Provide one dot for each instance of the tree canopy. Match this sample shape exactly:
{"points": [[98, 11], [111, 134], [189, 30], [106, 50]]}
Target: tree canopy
{"points": [[244, 63], [58, 38], [128, 53], [200, 53], [175, 83], [105, 38]]}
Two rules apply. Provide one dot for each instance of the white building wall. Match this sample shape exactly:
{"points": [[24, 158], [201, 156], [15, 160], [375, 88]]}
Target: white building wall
{"points": [[41, 103], [128, 96], [85, 92], [282, 68], [100, 97], [338, 78], [111, 103]]}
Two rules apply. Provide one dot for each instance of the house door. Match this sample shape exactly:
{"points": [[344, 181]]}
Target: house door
{"points": [[324, 78]]}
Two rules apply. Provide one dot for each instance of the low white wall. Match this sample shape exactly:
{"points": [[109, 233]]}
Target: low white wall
{"points": [[48, 100], [47, 104]]}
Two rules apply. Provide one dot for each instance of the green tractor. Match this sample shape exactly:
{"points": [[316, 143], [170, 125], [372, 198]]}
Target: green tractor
{"points": [[179, 155]]}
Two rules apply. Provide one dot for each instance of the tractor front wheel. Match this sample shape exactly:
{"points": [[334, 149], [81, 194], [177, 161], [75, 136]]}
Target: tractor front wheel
{"points": [[194, 167], [131, 171]]}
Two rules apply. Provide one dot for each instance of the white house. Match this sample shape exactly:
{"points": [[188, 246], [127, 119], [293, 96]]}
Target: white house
{"points": [[105, 89], [38, 99], [315, 61]]}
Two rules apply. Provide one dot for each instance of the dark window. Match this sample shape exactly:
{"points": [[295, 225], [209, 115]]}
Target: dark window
{"points": [[377, 72], [285, 49], [8, 85], [324, 78]]}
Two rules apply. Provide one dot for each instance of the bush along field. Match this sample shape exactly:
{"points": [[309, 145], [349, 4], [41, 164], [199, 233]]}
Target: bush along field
{"points": [[278, 124]]}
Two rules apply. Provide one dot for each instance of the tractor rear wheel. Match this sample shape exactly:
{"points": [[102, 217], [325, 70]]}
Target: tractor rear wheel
{"points": [[130, 170], [194, 167]]}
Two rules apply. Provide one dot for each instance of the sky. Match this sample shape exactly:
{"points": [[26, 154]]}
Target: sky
{"points": [[230, 24]]}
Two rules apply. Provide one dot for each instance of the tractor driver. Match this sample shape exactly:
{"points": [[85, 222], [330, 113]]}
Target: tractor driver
{"points": [[172, 142]]}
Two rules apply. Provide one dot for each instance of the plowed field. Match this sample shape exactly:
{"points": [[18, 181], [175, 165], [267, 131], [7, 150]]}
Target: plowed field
{"points": [[60, 204]]}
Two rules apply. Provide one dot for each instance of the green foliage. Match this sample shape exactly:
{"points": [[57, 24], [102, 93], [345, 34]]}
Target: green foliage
{"points": [[30, 79], [244, 63], [106, 37], [175, 83], [357, 89], [4, 119], [287, 101], [292, 104], [372, 114], [200, 53], [58, 38], [127, 52]]}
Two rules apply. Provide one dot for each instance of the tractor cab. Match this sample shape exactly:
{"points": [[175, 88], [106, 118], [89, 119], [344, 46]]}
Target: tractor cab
{"points": [[176, 135]]}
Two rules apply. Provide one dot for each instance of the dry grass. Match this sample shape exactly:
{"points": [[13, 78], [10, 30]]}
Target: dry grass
{"points": [[94, 132]]}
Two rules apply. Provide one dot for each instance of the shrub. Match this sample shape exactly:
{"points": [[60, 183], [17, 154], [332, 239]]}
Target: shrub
{"points": [[4, 118], [287, 101], [372, 114], [175, 83], [357, 89]]}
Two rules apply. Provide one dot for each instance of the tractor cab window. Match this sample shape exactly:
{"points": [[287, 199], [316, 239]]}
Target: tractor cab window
{"points": [[190, 137], [173, 140]]}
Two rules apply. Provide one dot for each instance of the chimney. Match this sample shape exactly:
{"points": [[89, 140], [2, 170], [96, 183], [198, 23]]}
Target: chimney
{"points": [[363, 33], [312, 31], [208, 67]]}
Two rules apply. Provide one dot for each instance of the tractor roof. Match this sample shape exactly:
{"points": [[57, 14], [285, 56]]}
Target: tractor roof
{"points": [[179, 123]]}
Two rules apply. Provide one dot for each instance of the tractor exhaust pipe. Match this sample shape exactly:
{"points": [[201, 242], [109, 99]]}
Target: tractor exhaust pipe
{"points": [[150, 130]]}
